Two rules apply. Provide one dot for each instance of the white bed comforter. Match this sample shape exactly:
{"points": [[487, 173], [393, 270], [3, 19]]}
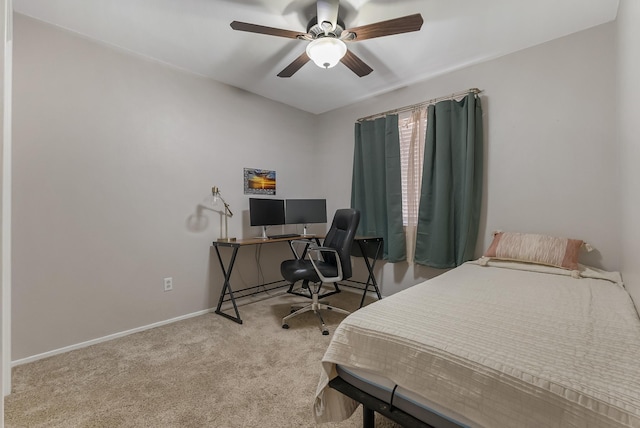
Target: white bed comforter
{"points": [[504, 345]]}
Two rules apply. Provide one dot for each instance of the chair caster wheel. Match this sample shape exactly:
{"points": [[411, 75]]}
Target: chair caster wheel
{"points": [[285, 326], [325, 332]]}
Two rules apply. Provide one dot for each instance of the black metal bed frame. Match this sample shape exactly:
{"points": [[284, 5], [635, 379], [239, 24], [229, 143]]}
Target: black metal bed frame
{"points": [[371, 404]]}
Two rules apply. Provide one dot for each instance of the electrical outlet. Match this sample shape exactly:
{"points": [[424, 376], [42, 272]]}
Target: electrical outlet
{"points": [[168, 284]]}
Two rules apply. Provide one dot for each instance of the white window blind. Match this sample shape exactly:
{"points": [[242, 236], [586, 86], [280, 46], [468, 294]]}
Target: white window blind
{"points": [[412, 126]]}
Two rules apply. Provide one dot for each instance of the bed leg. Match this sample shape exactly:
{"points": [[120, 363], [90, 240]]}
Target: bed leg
{"points": [[368, 417]]}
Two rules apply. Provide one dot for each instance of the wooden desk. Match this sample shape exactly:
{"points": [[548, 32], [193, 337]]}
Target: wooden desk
{"points": [[228, 294]]}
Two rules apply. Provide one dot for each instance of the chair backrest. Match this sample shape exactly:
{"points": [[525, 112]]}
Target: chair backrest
{"points": [[340, 237]]}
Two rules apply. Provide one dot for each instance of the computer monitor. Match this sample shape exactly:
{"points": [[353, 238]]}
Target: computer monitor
{"points": [[266, 212], [305, 211]]}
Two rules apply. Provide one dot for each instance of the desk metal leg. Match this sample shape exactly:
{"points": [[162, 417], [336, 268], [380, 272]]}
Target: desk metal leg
{"points": [[227, 286], [370, 266]]}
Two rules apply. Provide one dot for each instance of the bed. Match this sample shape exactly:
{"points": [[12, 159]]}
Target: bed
{"points": [[491, 344]]}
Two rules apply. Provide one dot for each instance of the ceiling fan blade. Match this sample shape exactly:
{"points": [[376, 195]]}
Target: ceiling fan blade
{"points": [[261, 29], [405, 24], [356, 65], [328, 12], [296, 65]]}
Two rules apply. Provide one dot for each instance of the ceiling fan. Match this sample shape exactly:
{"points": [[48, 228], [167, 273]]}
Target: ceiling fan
{"points": [[327, 35]]}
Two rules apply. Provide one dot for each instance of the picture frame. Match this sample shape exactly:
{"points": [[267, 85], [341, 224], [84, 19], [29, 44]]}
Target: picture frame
{"points": [[259, 181]]}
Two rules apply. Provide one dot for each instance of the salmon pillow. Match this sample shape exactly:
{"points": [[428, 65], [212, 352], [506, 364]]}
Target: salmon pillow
{"points": [[532, 248]]}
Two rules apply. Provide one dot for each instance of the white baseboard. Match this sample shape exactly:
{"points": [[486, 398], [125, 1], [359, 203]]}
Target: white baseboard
{"points": [[105, 338], [242, 302]]}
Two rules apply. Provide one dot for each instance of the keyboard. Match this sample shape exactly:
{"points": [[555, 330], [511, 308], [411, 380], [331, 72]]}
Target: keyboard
{"points": [[286, 235]]}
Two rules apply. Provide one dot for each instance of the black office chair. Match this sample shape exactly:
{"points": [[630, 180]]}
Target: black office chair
{"points": [[329, 263]]}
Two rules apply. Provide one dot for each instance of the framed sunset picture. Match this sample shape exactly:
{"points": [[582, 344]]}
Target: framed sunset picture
{"points": [[259, 181]]}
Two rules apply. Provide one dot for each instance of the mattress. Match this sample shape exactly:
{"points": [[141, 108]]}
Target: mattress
{"points": [[506, 344]]}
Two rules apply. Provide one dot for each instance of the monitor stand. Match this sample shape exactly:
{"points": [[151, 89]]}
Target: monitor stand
{"points": [[264, 233], [304, 230]]}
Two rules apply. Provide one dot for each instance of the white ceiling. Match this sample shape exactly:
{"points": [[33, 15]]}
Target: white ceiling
{"points": [[195, 35]]}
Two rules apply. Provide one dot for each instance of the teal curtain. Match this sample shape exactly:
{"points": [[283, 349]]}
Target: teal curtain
{"points": [[451, 192], [376, 189]]}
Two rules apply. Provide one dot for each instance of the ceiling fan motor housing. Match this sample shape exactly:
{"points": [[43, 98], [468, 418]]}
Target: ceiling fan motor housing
{"points": [[316, 31]]}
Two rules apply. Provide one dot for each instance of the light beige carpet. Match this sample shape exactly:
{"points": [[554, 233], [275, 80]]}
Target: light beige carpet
{"points": [[206, 371]]}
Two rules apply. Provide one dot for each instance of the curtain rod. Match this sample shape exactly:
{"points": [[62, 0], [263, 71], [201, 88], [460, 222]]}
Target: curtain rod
{"points": [[422, 104]]}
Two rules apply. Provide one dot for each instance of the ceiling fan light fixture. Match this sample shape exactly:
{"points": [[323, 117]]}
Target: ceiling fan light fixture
{"points": [[326, 52]]}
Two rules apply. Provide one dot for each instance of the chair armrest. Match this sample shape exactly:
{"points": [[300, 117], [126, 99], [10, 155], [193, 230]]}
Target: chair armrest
{"points": [[316, 247], [319, 251], [303, 241]]}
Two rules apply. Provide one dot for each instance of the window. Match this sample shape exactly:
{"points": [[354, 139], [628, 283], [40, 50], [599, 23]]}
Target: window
{"points": [[413, 127]]}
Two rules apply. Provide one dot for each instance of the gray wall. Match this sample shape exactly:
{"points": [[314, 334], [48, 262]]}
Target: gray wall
{"points": [[628, 113], [114, 153], [5, 242], [550, 142]]}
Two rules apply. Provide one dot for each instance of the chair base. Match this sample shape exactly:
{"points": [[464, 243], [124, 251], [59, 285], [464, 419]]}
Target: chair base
{"points": [[316, 306]]}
